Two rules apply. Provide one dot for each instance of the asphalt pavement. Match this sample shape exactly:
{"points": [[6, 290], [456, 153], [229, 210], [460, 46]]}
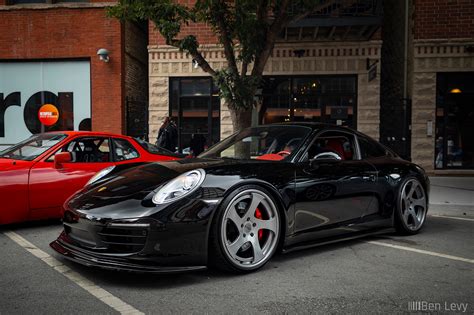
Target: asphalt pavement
{"points": [[385, 274]]}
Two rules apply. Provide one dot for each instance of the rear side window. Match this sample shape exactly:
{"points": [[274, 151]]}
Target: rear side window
{"points": [[124, 150], [370, 149]]}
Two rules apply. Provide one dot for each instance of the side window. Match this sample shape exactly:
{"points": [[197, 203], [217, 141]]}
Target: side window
{"points": [[123, 150], [337, 142], [87, 150], [370, 149]]}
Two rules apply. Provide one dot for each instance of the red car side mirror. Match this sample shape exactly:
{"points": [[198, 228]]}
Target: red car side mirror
{"points": [[60, 158]]}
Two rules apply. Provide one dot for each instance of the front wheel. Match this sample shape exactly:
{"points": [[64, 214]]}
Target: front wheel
{"points": [[411, 207], [246, 233]]}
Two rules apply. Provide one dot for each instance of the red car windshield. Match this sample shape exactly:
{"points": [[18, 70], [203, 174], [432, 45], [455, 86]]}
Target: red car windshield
{"points": [[32, 147]]}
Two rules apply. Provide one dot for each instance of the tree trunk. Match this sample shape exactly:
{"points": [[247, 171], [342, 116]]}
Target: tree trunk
{"points": [[241, 119]]}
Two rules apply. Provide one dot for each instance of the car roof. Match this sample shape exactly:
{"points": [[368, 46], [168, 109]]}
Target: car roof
{"points": [[314, 125]]}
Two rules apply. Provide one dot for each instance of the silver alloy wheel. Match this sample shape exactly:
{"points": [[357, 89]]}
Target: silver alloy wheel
{"points": [[244, 245], [413, 204]]}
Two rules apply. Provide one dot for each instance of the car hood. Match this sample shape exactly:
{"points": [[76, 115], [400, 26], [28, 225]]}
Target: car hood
{"points": [[127, 193]]}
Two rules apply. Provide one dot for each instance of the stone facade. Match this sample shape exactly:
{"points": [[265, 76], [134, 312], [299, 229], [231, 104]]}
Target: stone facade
{"points": [[430, 58], [318, 59]]}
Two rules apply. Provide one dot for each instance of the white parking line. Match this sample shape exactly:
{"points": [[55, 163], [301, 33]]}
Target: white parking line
{"points": [[421, 251], [449, 217], [101, 294]]}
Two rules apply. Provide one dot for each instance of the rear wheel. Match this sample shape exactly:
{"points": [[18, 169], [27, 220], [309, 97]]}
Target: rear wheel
{"points": [[411, 207], [246, 232]]}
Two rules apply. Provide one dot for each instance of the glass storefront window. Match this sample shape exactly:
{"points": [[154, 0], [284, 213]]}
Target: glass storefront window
{"points": [[195, 106], [330, 99], [454, 144], [195, 87]]}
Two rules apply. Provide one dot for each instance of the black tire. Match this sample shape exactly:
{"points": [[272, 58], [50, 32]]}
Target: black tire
{"points": [[218, 255], [410, 226]]}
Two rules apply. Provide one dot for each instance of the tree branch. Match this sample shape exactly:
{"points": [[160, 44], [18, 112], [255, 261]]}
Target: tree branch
{"points": [[272, 33], [262, 11], [226, 39], [197, 56], [245, 65]]}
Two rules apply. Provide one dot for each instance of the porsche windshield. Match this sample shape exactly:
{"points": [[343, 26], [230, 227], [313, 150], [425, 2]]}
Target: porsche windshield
{"points": [[32, 147], [262, 143]]}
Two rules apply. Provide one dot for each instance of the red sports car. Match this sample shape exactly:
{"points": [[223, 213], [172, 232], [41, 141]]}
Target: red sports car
{"points": [[37, 175]]}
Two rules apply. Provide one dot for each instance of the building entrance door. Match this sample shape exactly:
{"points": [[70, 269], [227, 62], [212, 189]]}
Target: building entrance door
{"points": [[195, 107], [455, 121]]}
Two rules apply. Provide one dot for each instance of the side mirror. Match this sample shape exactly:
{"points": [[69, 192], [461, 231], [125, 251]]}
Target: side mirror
{"points": [[60, 158]]}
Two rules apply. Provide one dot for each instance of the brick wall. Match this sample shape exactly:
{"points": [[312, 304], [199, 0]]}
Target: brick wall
{"points": [[50, 33], [203, 33], [136, 62], [441, 19]]}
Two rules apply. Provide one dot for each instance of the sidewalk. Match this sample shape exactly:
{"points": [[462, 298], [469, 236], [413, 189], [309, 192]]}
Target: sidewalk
{"points": [[452, 196]]}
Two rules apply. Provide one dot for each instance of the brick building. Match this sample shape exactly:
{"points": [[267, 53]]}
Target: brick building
{"points": [[328, 68], [324, 56], [411, 87], [442, 83], [48, 54]]}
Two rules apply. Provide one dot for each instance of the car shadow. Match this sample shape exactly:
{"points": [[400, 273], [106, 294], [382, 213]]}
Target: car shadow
{"points": [[30, 224], [281, 261], [176, 280]]}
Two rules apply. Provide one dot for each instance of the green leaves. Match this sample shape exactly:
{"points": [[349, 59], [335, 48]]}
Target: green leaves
{"points": [[237, 90], [167, 15], [246, 29]]}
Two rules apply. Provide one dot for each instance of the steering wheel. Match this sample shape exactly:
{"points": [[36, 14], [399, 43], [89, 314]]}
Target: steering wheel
{"points": [[284, 153], [328, 155]]}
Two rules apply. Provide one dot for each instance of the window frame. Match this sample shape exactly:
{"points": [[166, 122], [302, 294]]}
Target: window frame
{"points": [[113, 149], [50, 158], [356, 156], [210, 96], [324, 118], [387, 151]]}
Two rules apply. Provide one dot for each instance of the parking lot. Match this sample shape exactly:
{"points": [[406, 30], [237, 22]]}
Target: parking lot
{"points": [[370, 275]]}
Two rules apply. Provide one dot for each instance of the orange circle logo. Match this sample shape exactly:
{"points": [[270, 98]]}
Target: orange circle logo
{"points": [[48, 114]]}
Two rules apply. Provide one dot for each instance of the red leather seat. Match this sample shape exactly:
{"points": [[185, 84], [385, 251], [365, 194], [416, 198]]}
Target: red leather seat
{"points": [[336, 146]]}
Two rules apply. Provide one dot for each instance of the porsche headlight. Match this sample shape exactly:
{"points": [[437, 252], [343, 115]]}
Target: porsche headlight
{"points": [[179, 187], [100, 174]]}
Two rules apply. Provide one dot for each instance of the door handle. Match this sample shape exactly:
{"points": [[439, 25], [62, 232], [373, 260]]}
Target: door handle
{"points": [[370, 176]]}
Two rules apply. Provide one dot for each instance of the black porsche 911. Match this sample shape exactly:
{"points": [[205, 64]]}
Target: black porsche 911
{"points": [[262, 190]]}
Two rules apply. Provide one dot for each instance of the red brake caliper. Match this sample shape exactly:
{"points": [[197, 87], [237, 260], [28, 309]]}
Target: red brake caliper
{"points": [[258, 215]]}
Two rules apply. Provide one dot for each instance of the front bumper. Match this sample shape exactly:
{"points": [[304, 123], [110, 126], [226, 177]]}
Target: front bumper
{"points": [[91, 259]]}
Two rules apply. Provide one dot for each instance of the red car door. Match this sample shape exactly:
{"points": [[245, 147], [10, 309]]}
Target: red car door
{"points": [[49, 187], [14, 190]]}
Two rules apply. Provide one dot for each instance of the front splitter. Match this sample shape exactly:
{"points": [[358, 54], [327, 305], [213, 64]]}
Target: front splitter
{"points": [[85, 259]]}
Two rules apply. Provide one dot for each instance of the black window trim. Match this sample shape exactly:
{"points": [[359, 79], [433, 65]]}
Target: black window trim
{"points": [[388, 152], [357, 155]]}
